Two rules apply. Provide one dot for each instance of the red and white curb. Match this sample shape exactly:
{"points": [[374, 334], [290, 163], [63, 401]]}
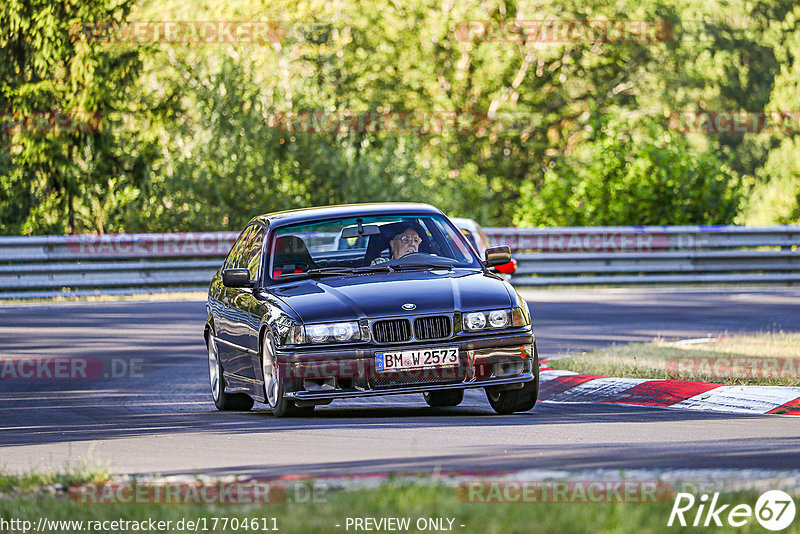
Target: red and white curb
{"points": [[570, 387]]}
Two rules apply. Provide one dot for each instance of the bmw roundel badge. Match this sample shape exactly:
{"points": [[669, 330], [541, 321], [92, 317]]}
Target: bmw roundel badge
{"points": [[409, 306]]}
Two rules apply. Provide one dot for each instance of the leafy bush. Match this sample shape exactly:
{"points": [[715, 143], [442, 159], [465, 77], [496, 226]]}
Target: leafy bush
{"points": [[632, 174]]}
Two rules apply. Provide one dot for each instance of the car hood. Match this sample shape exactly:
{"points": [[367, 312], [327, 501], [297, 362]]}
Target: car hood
{"points": [[383, 295]]}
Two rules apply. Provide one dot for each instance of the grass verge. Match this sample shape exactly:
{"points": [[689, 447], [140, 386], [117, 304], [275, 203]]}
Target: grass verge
{"points": [[48, 482], [331, 511], [767, 359]]}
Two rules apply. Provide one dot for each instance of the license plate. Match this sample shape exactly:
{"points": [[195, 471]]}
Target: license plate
{"points": [[402, 360]]}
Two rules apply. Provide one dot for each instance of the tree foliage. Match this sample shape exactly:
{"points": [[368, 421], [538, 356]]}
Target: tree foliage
{"points": [[80, 177], [576, 130], [648, 176]]}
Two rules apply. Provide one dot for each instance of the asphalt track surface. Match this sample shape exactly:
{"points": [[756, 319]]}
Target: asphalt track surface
{"points": [[159, 419]]}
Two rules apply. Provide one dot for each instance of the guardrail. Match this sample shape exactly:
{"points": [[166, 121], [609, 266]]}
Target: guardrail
{"points": [[653, 254], [48, 266]]}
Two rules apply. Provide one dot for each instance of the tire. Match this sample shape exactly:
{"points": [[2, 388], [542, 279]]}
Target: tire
{"points": [[443, 398], [517, 400], [275, 386], [226, 402]]}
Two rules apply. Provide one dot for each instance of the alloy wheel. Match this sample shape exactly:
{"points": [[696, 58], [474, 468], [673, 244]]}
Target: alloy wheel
{"points": [[213, 368]]}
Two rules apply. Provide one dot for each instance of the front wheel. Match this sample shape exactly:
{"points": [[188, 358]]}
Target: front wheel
{"points": [[223, 401], [275, 385], [517, 400]]}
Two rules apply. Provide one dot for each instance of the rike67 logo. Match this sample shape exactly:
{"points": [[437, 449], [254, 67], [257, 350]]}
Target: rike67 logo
{"points": [[774, 510]]}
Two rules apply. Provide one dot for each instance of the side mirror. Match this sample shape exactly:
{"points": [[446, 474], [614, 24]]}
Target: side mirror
{"points": [[236, 278], [507, 268], [497, 256]]}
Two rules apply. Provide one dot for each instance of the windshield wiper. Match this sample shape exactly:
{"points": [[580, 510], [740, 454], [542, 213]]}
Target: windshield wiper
{"points": [[337, 271], [372, 269], [350, 270], [328, 271], [420, 267]]}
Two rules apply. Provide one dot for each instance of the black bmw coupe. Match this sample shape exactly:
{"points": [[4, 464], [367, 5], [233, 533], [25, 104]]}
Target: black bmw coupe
{"points": [[319, 304]]}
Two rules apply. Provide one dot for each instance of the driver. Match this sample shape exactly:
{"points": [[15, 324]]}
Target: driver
{"points": [[405, 242]]}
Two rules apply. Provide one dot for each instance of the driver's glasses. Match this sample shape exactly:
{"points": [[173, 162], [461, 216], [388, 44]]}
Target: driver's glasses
{"points": [[409, 240]]}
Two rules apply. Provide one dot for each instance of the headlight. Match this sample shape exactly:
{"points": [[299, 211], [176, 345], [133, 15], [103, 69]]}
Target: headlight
{"points": [[498, 319], [487, 320], [474, 321], [330, 332], [344, 331]]}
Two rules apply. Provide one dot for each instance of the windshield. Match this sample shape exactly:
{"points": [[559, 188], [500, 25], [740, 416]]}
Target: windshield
{"points": [[368, 244]]}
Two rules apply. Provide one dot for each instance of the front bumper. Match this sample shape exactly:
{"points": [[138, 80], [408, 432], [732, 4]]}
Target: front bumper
{"points": [[403, 390], [504, 361]]}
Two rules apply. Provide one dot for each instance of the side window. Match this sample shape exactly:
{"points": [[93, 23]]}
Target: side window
{"points": [[484, 239], [254, 253], [234, 259], [459, 248], [471, 239]]}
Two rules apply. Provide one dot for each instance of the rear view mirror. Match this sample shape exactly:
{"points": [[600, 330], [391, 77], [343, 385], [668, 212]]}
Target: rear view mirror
{"points": [[361, 230], [497, 256], [236, 278]]}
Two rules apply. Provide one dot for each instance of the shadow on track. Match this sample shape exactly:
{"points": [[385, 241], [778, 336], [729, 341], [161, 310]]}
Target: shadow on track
{"points": [[773, 454]]}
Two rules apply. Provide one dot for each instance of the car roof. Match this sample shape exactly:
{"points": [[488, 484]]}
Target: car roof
{"points": [[283, 218]]}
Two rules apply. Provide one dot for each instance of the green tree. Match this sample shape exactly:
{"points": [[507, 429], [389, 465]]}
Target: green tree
{"points": [[643, 175], [775, 198], [188, 140], [72, 179]]}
